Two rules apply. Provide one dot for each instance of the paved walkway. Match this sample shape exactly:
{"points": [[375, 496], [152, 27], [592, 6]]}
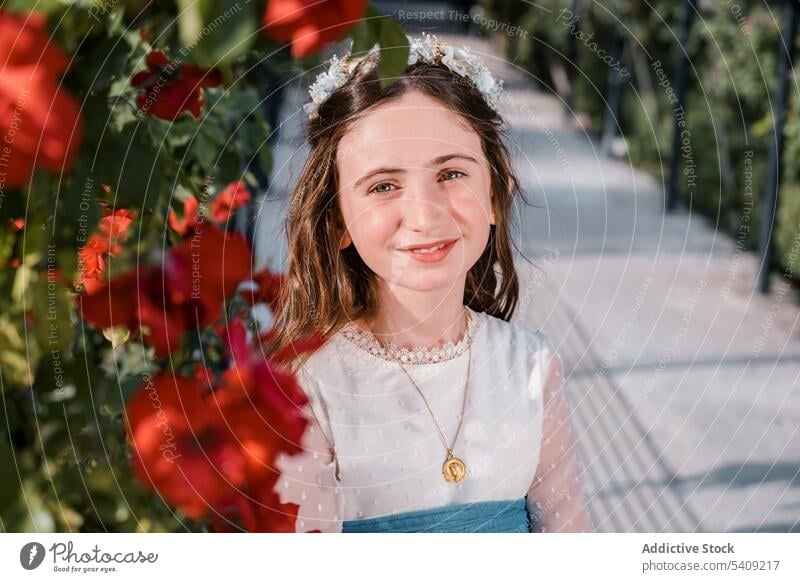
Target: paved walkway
{"points": [[684, 383]]}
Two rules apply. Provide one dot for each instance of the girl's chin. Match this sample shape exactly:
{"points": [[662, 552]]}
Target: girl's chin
{"points": [[427, 282]]}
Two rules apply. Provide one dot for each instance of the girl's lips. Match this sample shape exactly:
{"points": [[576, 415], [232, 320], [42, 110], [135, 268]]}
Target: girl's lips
{"points": [[428, 245], [429, 256]]}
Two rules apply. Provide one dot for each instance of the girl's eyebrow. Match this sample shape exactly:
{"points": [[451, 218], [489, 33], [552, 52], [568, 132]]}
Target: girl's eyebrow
{"points": [[435, 162]]}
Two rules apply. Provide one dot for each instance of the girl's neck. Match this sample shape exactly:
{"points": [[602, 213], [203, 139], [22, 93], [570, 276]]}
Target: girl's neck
{"points": [[415, 319]]}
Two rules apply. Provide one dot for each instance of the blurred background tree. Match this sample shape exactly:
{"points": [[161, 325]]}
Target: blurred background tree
{"points": [[728, 107]]}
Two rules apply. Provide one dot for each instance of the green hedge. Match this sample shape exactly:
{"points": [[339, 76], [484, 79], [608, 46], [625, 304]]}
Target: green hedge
{"points": [[732, 50]]}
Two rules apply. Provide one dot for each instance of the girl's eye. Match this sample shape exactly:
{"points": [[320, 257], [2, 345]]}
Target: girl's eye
{"points": [[377, 188], [451, 173]]}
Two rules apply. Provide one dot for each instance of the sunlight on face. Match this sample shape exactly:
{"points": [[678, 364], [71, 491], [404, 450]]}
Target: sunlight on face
{"points": [[413, 173]]}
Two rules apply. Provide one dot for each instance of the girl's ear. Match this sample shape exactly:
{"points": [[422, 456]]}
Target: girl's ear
{"points": [[346, 241]]}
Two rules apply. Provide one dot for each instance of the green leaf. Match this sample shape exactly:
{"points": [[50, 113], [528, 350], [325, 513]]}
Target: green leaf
{"points": [[375, 28], [15, 359], [394, 51], [174, 134], [7, 240], [78, 210], [252, 138], [228, 168], [240, 104], [116, 20], [129, 163], [13, 206], [215, 32], [52, 307], [207, 144], [105, 61], [10, 485], [191, 14], [367, 32], [123, 157], [46, 6]]}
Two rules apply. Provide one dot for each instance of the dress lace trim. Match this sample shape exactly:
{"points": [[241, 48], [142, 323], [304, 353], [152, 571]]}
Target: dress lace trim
{"points": [[364, 339]]}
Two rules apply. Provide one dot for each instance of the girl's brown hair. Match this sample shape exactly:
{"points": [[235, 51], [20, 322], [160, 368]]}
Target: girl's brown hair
{"points": [[326, 287]]}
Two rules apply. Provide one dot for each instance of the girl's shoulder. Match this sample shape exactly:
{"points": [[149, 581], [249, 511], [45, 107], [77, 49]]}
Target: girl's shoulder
{"points": [[530, 352], [501, 332]]}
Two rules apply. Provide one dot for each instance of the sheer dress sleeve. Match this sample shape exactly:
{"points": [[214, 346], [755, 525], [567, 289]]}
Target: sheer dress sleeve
{"points": [[309, 479], [556, 501]]}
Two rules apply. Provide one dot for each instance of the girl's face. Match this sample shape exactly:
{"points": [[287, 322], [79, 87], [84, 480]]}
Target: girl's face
{"points": [[413, 174]]}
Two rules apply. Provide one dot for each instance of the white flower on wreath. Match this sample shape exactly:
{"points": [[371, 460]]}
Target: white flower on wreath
{"points": [[426, 49], [422, 49], [331, 80], [470, 66]]}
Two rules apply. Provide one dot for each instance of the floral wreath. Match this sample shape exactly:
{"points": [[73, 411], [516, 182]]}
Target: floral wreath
{"points": [[427, 49]]}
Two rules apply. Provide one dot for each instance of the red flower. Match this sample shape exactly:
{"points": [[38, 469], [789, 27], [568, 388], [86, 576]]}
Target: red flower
{"points": [[311, 24], [234, 196], [92, 263], [263, 513], [212, 452], [215, 261], [112, 304], [190, 449], [92, 257], [253, 376], [163, 308], [169, 90], [115, 225], [190, 216], [188, 291], [40, 122]]}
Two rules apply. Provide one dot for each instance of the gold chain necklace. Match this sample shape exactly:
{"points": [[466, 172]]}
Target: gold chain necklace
{"points": [[453, 469]]}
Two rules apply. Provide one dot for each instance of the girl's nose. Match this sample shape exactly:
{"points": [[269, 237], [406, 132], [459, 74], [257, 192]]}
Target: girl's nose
{"points": [[422, 210]]}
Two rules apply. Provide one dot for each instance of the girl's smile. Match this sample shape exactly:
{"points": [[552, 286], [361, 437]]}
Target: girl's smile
{"points": [[431, 253]]}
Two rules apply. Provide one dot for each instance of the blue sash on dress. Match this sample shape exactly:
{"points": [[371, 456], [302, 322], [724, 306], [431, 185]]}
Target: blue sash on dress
{"points": [[508, 516]]}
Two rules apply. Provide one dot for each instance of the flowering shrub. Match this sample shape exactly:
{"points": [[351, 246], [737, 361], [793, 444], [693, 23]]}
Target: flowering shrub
{"points": [[134, 396], [35, 107]]}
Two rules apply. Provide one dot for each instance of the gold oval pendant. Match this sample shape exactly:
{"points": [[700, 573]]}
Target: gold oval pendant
{"points": [[454, 469]]}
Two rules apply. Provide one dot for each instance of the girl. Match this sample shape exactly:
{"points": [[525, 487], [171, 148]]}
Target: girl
{"points": [[432, 412]]}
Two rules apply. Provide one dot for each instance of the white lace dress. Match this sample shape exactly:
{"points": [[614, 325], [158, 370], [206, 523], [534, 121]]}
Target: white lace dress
{"points": [[373, 450]]}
